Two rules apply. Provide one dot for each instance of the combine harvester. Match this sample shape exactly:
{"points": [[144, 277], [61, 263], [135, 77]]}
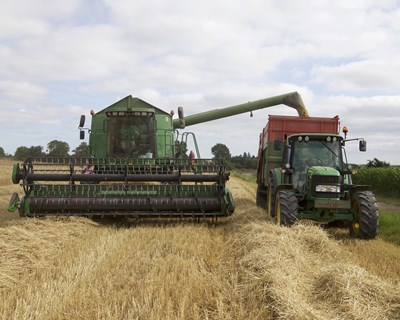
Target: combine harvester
{"points": [[134, 168]]}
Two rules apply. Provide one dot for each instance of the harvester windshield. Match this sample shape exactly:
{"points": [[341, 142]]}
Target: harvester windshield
{"points": [[131, 136]]}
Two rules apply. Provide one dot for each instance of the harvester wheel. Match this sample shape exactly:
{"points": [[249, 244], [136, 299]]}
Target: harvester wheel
{"points": [[366, 214], [261, 198], [286, 208]]}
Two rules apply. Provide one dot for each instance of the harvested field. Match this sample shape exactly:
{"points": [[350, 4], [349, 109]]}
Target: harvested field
{"points": [[241, 268]]}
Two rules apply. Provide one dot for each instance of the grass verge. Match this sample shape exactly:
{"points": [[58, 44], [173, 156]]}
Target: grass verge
{"points": [[389, 200], [389, 227], [246, 175]]}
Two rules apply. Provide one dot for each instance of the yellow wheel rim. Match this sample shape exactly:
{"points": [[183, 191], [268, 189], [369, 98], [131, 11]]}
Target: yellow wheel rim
{"points": [[355, 227], [278, 211]]}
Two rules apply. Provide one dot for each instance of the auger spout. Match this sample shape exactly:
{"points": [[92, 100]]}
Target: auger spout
{"points": [[292, 100]]}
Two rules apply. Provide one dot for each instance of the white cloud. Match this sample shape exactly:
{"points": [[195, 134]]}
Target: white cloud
{"points": [[60, 59], [27, 18], [377, 75]]}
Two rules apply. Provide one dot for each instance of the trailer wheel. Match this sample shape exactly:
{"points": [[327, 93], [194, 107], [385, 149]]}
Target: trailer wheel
{"points": [[271, 194], [365, 225], [286, 208], [261, 198]]}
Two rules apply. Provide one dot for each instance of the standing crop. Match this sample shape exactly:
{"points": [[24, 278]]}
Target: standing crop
{"points": [[383, 181]]}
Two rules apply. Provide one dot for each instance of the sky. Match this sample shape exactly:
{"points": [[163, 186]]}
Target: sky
{"points": [[60, 59]]}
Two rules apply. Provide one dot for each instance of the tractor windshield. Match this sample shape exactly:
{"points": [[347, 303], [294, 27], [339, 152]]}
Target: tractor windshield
{"points": [[314, 152], [131, 136]]}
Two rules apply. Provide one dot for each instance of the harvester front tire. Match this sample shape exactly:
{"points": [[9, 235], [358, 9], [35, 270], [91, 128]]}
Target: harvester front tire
{"points": [[286, 208], [366, 213]]}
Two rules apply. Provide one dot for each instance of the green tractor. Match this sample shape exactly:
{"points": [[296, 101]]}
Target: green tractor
{"points": [[303, 174], [136, 167]]}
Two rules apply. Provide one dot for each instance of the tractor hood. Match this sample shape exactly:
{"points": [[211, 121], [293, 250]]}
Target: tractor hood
{"points": [[322, 171]]}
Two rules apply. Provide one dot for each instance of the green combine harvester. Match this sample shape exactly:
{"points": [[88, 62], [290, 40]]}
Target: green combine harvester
{"points": [[135, 168]]}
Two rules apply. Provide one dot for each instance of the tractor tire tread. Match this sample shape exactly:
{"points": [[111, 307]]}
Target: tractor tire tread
{"points": [[289, 207], [369, 215], [261, 198]]}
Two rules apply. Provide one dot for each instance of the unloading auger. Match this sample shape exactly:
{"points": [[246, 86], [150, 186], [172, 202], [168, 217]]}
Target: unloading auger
{"points": [[134, 168]]}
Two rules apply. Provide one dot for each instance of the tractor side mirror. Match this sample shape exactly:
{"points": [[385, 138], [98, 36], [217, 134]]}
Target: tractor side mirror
{"points": [[82, 134], [82, 121], [363, 145]]}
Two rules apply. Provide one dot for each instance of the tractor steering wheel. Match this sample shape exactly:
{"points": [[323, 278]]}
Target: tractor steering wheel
{"points": [[313, 162]]}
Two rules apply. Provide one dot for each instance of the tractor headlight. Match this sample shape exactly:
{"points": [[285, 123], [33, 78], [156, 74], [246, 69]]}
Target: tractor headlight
{"points": [[327, 188]]}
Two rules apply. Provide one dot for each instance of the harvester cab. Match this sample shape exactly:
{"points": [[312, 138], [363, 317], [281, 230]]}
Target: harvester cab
{"points": [[303, 174], [130, 128], [135, 167]]}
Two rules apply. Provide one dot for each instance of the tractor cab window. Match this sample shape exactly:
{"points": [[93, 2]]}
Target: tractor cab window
{"points": [[315, 152], [131, 136]]}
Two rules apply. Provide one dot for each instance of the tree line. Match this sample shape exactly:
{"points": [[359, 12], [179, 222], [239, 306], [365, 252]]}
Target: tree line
{"points": [[221, 151], [55, 148], [60, 149], [243, 161]]}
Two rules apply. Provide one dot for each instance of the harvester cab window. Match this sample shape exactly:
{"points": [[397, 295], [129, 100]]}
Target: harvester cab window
{"points": [[131, 136], [311, 153]]}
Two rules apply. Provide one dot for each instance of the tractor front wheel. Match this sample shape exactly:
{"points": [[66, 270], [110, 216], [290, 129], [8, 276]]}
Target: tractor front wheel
{"points": [[286, 208], [365, 224]]}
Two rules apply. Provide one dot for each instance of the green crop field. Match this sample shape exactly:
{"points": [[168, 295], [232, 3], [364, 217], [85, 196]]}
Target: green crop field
{"points": [[383, 181]]}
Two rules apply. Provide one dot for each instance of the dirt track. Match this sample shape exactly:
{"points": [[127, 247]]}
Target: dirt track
{"points": [[389, 207]]}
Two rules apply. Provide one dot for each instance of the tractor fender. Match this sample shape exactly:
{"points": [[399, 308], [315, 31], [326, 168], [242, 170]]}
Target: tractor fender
{"points": [[276, 175], [283, 187], [355, 188]]}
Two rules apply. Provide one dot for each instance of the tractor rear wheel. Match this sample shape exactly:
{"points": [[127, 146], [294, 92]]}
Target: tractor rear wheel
{"points": [[286, 208], [365, 225], [261, 199], [271, 194]]}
